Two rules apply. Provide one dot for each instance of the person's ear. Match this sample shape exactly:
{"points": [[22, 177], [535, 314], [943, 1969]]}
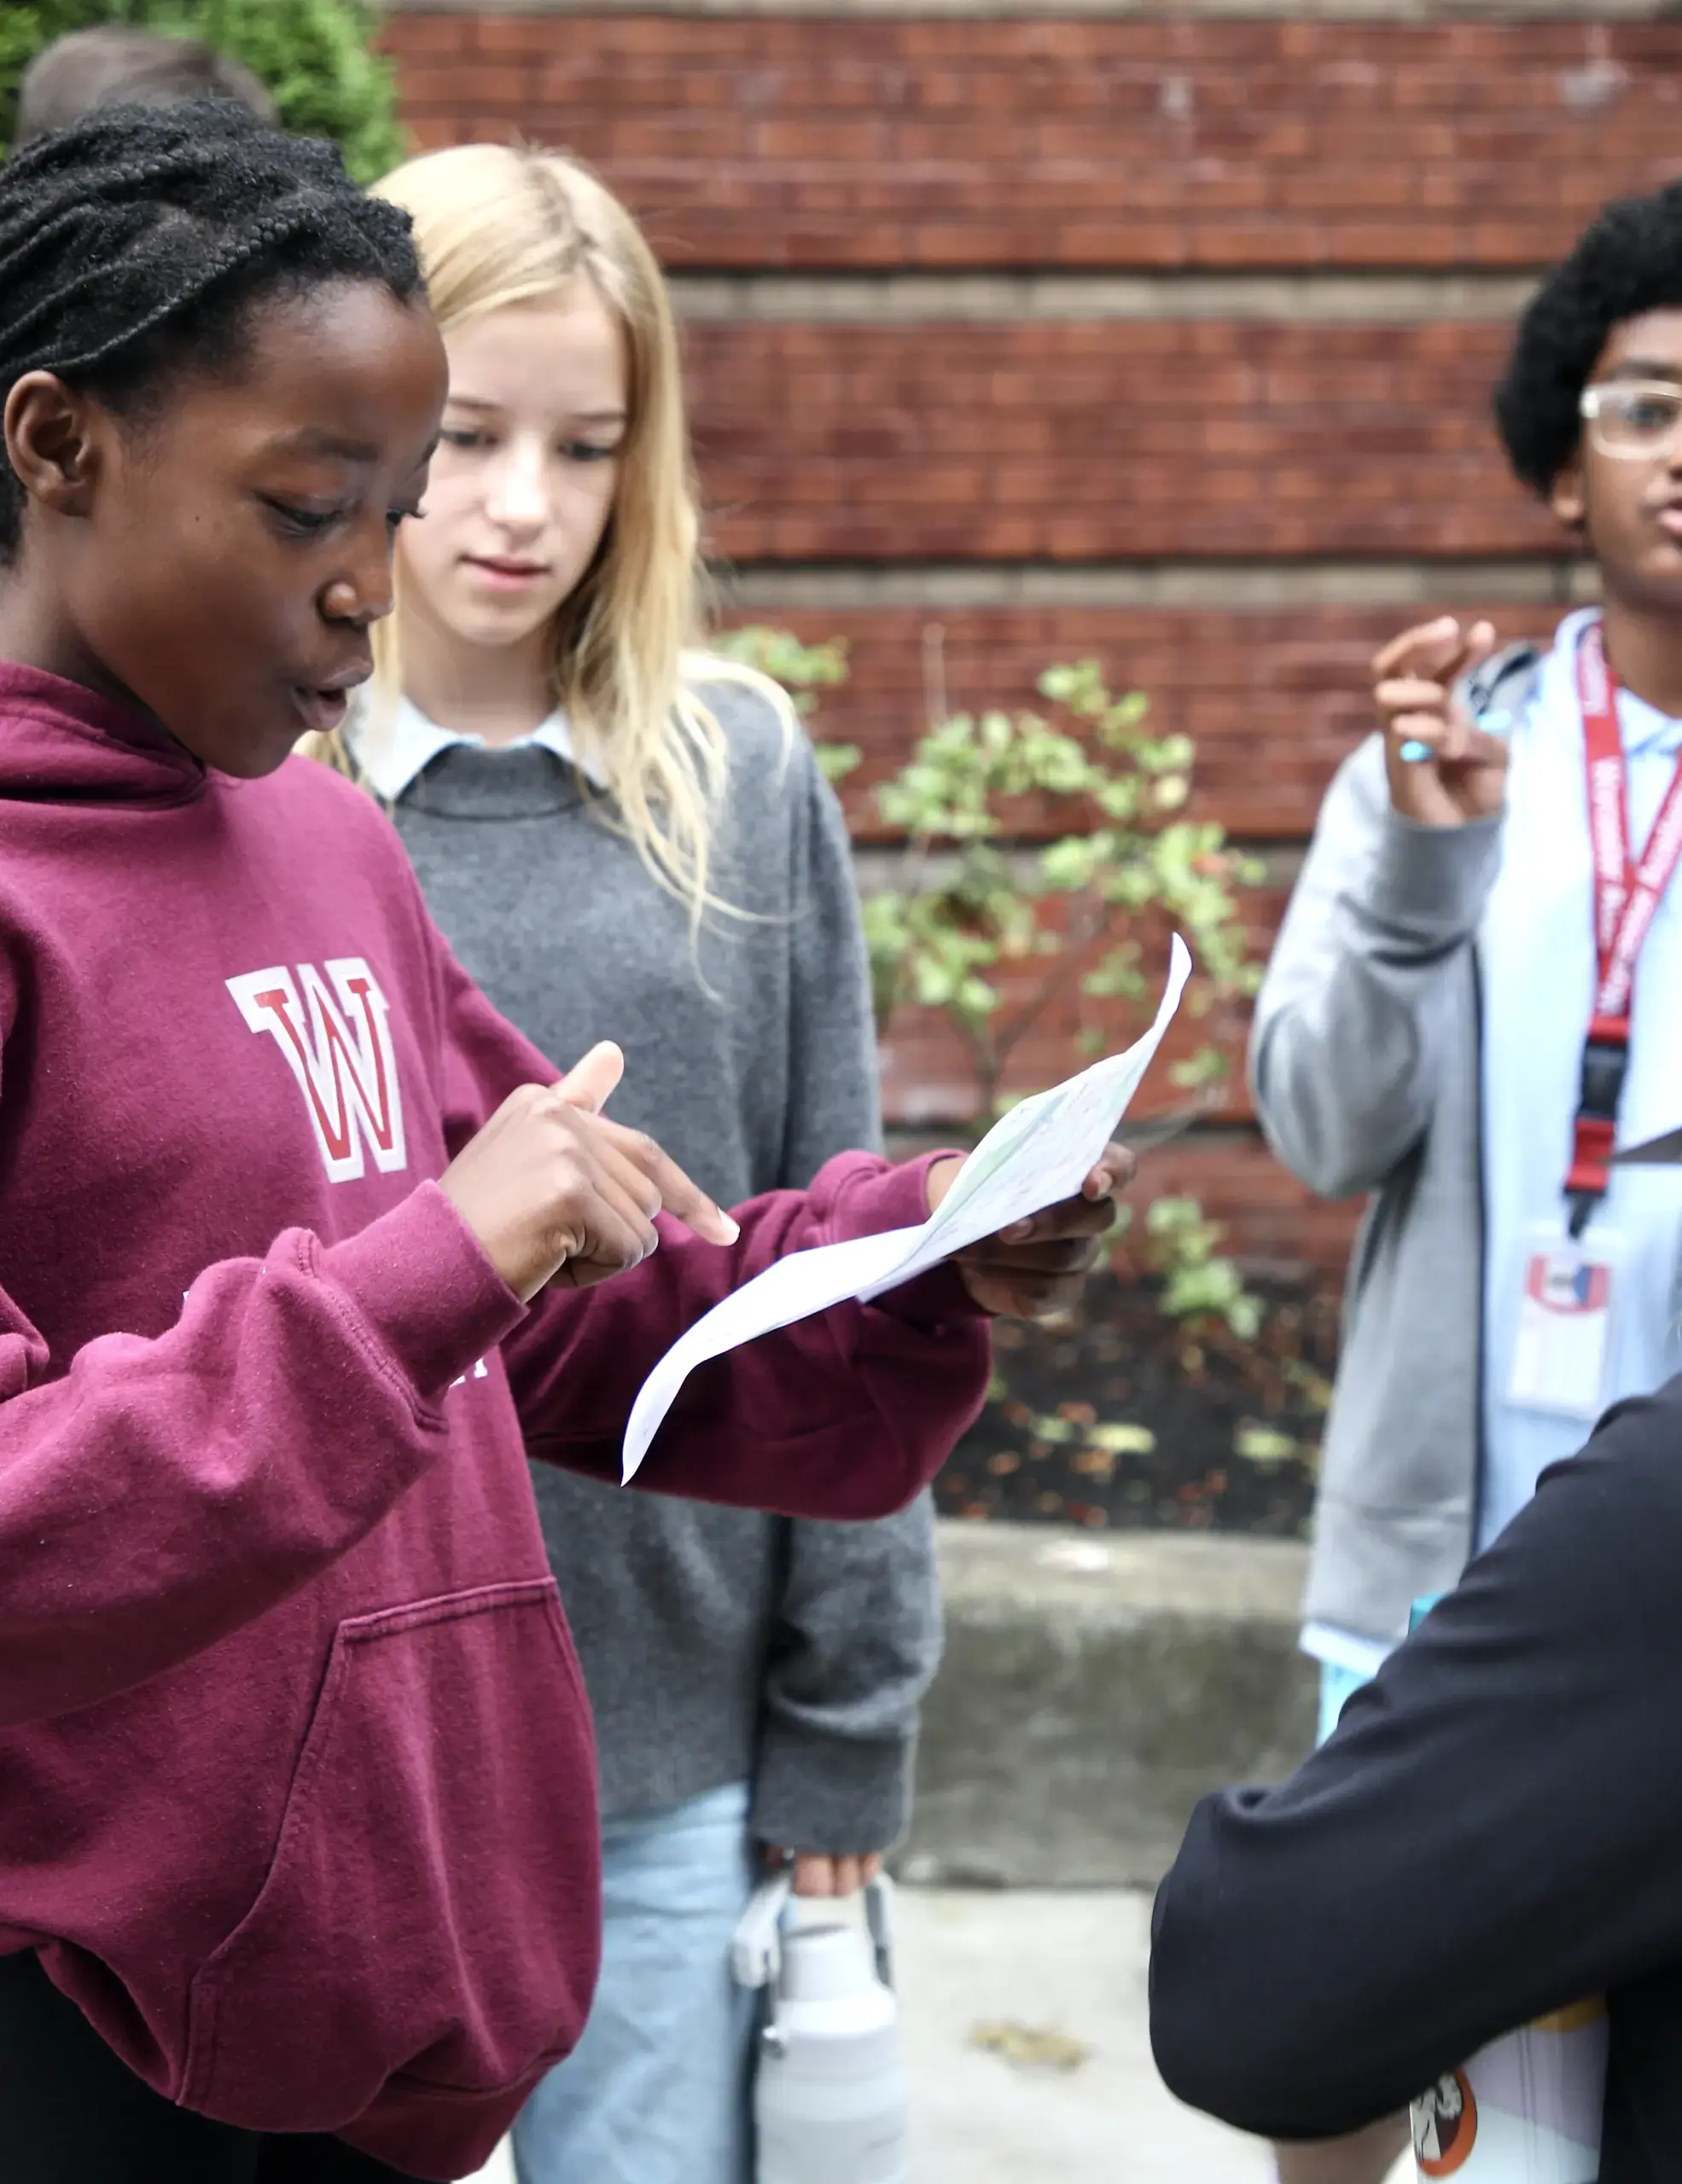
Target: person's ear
{"points": [[51, 443], [1567, 496]]}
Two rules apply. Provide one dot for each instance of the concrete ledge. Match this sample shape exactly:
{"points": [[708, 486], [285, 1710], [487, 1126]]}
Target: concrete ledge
{"points": [[1093, 1690], [770, 587], [1339, 298]]}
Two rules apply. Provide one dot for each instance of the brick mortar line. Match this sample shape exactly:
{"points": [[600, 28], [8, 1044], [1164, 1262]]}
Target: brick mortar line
{"points": [[1253, 586], [1352, 11], [900, 299]]}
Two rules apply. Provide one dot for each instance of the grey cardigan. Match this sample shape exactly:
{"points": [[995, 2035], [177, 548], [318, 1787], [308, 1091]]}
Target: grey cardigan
{"points": [[717, 1645], [1365, 1063]]}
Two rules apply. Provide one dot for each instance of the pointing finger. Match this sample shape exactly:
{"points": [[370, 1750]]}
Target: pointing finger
{"points": [[683, 1200], [591, 1082]]}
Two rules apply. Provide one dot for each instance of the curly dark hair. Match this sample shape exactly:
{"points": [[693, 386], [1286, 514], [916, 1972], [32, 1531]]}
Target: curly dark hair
{"points": [[134, 243], [1628, 262]]}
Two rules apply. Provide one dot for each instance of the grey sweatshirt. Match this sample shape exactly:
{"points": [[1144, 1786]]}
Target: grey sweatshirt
{"points": [[1365, 1062], [717, 1645]]}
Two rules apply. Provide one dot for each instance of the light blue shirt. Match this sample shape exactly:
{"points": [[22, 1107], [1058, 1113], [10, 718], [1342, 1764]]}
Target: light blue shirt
{"points": [[1536, 949]]}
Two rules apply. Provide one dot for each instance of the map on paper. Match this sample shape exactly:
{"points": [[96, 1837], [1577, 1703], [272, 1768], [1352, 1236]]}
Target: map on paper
{"points": [[1035, 1156]]}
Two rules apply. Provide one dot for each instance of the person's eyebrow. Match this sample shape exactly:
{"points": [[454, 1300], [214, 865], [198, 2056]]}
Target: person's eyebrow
{"points": [[316, 439], [494, 408], [1648, 367]]}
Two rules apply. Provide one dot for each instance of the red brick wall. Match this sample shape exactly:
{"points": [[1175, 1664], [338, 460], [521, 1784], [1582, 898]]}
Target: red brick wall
{"points": [[1114, 441], [1283, 444], [858, 141], [1273, 698]]}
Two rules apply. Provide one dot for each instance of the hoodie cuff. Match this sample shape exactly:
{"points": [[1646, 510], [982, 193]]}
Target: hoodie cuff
{"points": [[422, 1280], [835, 1796], [1431, 883], [898, 1198]]}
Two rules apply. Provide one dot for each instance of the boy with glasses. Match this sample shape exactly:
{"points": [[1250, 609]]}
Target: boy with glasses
{"points": [[1474, 999]]}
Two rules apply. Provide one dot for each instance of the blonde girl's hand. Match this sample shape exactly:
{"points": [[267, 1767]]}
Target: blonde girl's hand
{"points": [[1443, 768], [556, 1193], [816, 1874]]}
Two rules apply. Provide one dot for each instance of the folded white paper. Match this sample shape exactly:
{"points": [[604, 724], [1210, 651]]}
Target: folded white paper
{"points": [[1039, 1154]]}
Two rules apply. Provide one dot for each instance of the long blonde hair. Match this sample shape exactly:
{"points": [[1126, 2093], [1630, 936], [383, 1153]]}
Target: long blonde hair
{"points": [[498, 225]]}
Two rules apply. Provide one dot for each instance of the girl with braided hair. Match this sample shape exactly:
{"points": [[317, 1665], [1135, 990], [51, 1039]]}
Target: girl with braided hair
{"points": [[299, 1850]]}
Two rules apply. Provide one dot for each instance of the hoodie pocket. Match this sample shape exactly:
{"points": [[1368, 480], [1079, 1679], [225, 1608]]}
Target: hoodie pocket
{"points": [[431, 1910]]}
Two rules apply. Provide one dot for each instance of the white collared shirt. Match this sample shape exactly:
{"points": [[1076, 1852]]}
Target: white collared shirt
{"points": [[407, 742]]}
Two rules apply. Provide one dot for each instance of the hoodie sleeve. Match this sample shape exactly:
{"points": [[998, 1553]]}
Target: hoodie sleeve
{"points": [[160, 1494], [1344, 1057], [1489, 1835], [845, 1416]]}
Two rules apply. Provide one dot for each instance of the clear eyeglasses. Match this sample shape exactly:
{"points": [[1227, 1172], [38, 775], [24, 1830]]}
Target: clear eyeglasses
{"points": [[1633, 417]]}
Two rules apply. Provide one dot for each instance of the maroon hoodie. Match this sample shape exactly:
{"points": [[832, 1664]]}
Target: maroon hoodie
{"points": [[296, 1781]]}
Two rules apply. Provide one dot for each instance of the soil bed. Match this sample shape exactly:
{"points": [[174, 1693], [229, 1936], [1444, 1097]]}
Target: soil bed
{"points": [[1130, 1420]]}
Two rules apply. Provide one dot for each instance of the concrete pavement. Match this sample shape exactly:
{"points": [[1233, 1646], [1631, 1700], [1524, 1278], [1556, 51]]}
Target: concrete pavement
{"points": [[1092, 1689], [1037, 1962], [1039, 1971]]}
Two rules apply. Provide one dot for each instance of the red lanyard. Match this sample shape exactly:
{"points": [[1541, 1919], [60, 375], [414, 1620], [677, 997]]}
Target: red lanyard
{"points": [[1626, 897]]}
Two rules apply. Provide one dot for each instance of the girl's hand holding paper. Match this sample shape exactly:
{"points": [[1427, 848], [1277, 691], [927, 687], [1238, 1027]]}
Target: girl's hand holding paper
{"points": [[1020, 1217], [1035, 1269]]}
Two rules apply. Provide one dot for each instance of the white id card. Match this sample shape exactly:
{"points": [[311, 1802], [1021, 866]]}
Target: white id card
{"points": [[1563, 1348]]}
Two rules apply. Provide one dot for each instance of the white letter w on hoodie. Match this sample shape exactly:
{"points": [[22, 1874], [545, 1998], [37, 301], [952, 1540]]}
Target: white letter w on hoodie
{"points": [[334, 1032]]}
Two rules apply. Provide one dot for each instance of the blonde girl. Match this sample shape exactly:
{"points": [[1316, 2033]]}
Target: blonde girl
{"points": [[618, 833]]}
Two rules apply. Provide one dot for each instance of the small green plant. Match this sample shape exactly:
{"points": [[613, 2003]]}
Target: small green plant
{"points": [[315, 56], [803, 670], [967, 905], [1265, 1444], [1184, 1249]]}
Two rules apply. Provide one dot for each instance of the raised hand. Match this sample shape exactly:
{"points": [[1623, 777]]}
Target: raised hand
{"points": [[1443, 768]]}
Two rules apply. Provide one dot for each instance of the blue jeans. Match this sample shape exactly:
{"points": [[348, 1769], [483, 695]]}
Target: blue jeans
{"points": [[658, 2090]]}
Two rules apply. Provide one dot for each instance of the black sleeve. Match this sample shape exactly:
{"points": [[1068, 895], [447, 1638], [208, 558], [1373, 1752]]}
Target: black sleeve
{"points": [[1495, 1831]]}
